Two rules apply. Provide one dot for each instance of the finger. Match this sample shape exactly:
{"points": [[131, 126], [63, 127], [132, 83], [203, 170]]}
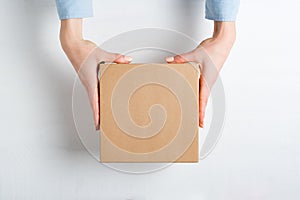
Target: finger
{"points": [[182, 58], [170, 59], [105, 56], [202, 113], [122, 59], [203, 99], [95, 106]]}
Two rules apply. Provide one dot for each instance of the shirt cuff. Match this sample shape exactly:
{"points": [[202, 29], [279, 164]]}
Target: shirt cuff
{"points": [[68, 9], [221, 10]]}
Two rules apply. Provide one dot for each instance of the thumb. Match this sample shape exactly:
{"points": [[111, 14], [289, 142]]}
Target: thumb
{"points": [[122, 59], [94, 102], [203, 99], [182, 58]]}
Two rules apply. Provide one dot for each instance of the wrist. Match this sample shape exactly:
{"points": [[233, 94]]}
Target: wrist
{"points": [[225, 32]]}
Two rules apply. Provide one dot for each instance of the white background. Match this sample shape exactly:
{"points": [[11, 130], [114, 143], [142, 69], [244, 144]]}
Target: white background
{"points": [[41, 156]]}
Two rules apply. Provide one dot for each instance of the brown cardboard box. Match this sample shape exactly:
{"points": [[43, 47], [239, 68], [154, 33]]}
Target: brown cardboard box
{"points": [[149, 112]]}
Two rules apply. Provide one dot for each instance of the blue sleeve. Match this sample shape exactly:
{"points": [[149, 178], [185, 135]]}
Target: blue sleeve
{"points": [[221, 10], [74, 8]]}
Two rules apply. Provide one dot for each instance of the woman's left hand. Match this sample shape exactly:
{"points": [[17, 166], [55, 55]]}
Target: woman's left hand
{"points": [[210, 55]]}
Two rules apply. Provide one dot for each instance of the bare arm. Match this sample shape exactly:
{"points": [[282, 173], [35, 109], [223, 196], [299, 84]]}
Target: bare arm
{"points": [[85, 56], [211, 55]]}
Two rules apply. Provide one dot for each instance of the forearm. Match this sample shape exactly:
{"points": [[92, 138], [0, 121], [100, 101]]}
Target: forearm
{"points": [[70, 32], [72, 42], [219, 45], [225, 33]]}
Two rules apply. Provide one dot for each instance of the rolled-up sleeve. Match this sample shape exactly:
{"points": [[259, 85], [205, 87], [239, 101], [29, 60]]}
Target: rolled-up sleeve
{"points": [[74, 8], [221, 10]]}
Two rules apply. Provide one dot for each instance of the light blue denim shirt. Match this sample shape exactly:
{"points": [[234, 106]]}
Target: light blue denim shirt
{"points": [[217, 10], [221, 10], [74, 8]]}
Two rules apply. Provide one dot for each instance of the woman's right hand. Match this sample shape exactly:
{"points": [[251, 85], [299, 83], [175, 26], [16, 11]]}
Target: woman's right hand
{"points": [[85, 57]]}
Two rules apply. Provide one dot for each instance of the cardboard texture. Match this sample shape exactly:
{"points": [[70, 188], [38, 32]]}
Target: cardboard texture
{"points": [[149, 112]]}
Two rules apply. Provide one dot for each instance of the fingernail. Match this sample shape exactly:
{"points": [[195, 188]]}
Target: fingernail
{"points": [[128, 58], [202, 124], [170, 59], [97, 127]]}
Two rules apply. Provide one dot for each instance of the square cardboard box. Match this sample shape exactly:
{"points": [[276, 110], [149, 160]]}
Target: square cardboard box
{"points": [[149, 112]]}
